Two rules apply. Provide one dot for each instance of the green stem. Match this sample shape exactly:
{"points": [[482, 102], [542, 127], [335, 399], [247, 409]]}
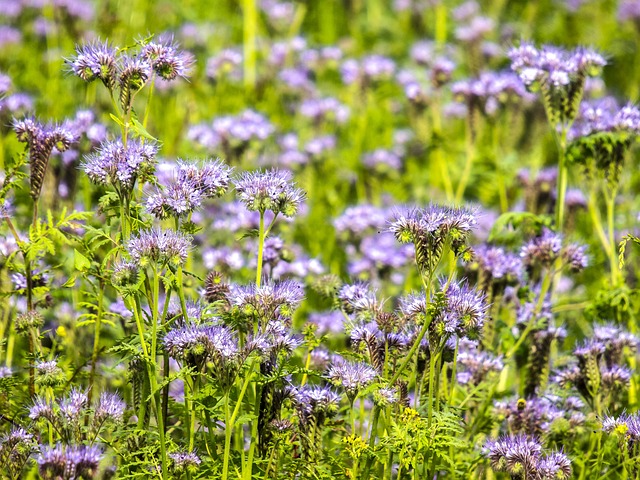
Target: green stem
{"points": [[562, 181], [96, 342], [261, 236], [610, 199], [250, 27], [432, 379]]}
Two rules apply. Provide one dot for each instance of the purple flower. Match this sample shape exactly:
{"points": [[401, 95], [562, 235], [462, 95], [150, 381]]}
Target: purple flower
{"points": [[269, 190], [166, 59], [110, 407], [227, 63], [73, 405], [322, 109], [68, 462], [159, 248], [185, 462], [270, 300], [358, 220], [353, 377], [96, 60], [121, 166]]}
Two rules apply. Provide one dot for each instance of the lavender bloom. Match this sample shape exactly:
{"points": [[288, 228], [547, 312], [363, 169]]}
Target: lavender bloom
{"points": [[629, 10], [72, 406], [166, 59], [353, 377], [110, 407], [330, 322], [382, 160], [315, 401], [232, 132], [544, 250], [491, 91], [523, 456], [358, 220], [463, 312], [42, 140], [379, 256], [43, 409], [320, 146], [95, 60], [474, 366], [297, 80], [271, 300], [497, 267], [559, 74], [193, 184], [68, 462], [429, 228], [269, 190], [227, 63], [358, 298], [185, 462], [372, 68], [121, 166], [322, 109], [15, 449], [159, 247], [49, 374]]}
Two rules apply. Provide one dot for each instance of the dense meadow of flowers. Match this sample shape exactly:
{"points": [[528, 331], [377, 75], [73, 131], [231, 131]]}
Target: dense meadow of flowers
{"points": [[331, 239]]}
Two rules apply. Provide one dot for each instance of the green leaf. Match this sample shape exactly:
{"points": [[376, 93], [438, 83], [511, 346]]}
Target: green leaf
{"points": [[116, 119], [80, 262], [70, 282], [139, 129]]}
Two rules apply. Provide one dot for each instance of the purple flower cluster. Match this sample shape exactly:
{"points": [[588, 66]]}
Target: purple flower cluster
{"points": [[491, 91], [544, 250], [367, 70], [269, 190], [269, 301], [194, 184], [462, 313], [474, 366], [541, 415], [323, 109], [353, 377], [604, 115], [524, 457], [226, 64], [232, 132], [68, 462], [359, 220], [159, 248], [552, 66], [119, 165]]}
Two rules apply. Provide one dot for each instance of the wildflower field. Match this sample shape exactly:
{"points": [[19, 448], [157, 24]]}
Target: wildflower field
{"points": [[322, 239]]}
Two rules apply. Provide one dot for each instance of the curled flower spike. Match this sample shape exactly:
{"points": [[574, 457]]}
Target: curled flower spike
{"points": [[185, 462], [269, 190], [41, 139], [429, 229]]}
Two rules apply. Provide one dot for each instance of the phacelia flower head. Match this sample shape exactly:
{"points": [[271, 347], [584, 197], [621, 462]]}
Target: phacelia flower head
{"points": [[353, 377], [68, 461], [185, 462], [193, 184], [159, 247], [430, 228], [559, 74], [115, 164], [268, 301], [269, 190], [166, 58], [96, 60]]}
